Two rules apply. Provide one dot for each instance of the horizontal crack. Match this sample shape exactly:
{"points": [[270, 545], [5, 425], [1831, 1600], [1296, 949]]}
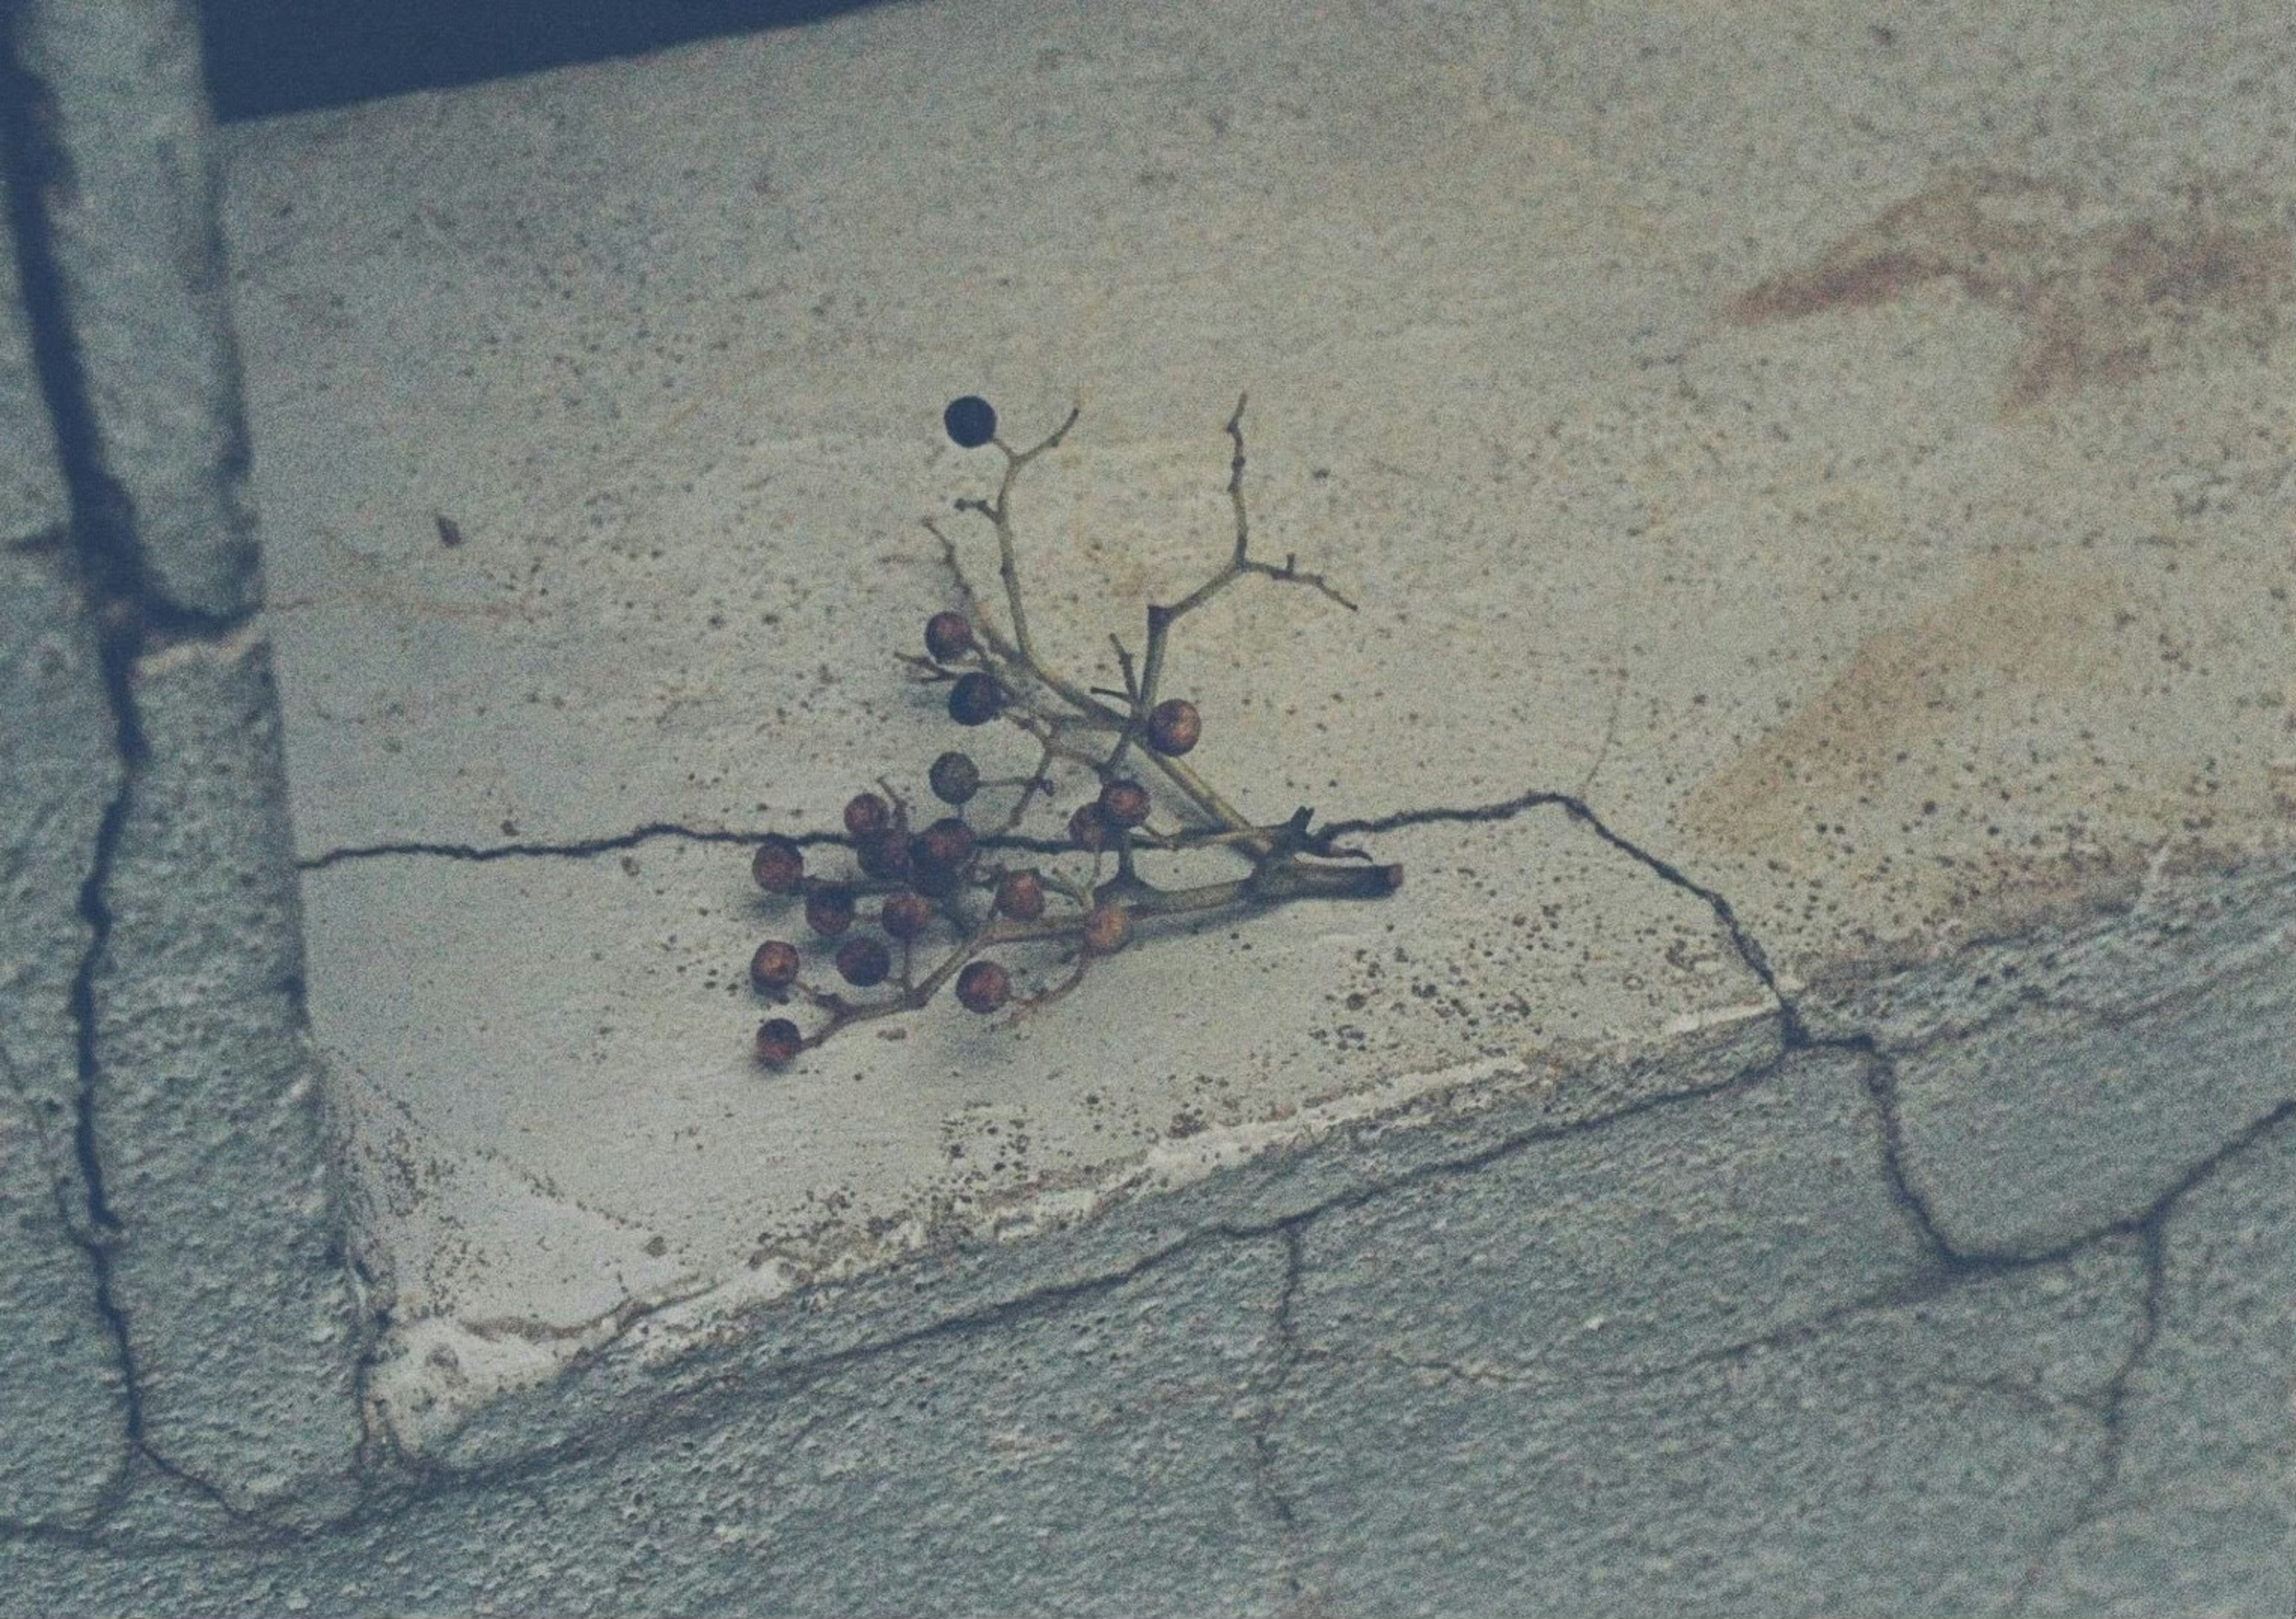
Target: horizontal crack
{"points": [[577, 849]]}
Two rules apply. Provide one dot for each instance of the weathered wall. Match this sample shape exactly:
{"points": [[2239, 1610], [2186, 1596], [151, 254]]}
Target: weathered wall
{"points": [[1945, 1275], [174, 1251]]}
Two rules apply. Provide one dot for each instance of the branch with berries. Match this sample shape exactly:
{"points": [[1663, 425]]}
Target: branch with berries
{"points": [[964, 901]]}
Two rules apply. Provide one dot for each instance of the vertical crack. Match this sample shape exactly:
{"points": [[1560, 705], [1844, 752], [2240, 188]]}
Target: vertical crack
{"points": [[37, 168], [103, 1225], [1267, 1474], [2151, 1229], [1880, 1079]]}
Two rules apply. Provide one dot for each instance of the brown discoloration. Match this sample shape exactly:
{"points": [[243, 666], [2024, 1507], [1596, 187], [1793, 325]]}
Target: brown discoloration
{"points": [[2102, 300], [2038, 628]]}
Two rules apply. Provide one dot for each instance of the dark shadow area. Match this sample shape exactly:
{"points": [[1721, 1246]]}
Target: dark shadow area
{"points": [[265, 57]]}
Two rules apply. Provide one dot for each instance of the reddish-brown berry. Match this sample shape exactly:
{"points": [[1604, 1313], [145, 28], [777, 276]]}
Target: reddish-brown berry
{"points": [[983, 987], [975, 699], [946, 842], [903, 915], [883, 852], [1020, 895], [829, 911], [778, 1042], [774, 967], [862, 962], [1087, 831], [954, 778], [1124, 804], [948, 636], [866, 813], [1107, 929], [779, 866], [1174, 726]]}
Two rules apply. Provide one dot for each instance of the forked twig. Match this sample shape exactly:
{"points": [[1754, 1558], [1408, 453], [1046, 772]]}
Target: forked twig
{"points": [[941, 882]]}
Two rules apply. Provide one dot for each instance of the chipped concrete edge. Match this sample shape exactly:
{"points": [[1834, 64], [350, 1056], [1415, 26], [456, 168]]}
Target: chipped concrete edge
{"points": [[938, 1271]]}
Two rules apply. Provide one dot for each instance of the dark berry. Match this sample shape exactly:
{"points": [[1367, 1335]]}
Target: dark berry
{"points": [[866, 813], [955, 777], [863, 962], [1087, 831], [971, 422], [903, 915], [983, 987], [1173, 726], [1020, 895], [1107, 929], [929, 877], [883, 852], [948, 636], [1124, 804], [946, 842], [975, 699], [829, 911], [775, 966], [778, 1042], [779, 866]]}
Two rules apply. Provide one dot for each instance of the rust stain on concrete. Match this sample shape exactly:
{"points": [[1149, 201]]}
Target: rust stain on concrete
{"points": [[2022, 628], [2101, 298]]}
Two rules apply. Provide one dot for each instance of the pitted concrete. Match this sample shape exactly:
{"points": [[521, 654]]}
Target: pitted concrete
{"points": [[1810, 1135]]}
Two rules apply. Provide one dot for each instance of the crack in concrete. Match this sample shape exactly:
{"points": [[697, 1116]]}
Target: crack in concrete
{"points": [[1796, 1033], [1260, 1428], [131, 619], [1949, 1268], [2151, 1228], [579, 848]]}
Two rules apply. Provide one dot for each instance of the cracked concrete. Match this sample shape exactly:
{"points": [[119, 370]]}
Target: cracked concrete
{"points": [[173, 1208], [1811, 1135]]}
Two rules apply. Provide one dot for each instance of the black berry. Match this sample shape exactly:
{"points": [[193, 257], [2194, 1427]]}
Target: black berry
{"points": [[829, 911], [946, 842], [975, 699], [955, 777], [971, 422], [866, 813], [863, 962]]}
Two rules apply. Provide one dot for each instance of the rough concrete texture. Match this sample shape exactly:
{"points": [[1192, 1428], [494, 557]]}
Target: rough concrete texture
{"points": [[62, 1394], [236, 1310], [182, 1336], [1810, 1135], [31, 484], [63, 1404], [131, 218]]}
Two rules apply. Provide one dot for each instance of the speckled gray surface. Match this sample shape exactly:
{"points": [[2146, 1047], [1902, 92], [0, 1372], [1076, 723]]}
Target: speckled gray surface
{"points": [[1808, 1136]]}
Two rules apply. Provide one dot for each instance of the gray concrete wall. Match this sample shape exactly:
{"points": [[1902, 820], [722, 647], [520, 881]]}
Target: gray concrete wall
{"points": [[1893, 1216], [174, 1250]]}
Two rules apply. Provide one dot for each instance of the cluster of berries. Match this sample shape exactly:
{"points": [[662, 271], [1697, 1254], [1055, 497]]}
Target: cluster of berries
{"points": [[945, 878]]}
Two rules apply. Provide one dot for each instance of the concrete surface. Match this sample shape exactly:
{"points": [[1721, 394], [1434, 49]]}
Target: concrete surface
{"points": [[174, 1271], [1812, 1133]]}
